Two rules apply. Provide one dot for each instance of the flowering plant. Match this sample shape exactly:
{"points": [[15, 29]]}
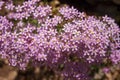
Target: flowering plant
{"points": [[65, 40]]}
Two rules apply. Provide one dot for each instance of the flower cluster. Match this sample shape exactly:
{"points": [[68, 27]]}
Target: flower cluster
{"points": [[67, 42]]}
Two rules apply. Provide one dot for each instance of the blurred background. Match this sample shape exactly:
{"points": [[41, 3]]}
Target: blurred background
{"points": [[91, 7]]}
